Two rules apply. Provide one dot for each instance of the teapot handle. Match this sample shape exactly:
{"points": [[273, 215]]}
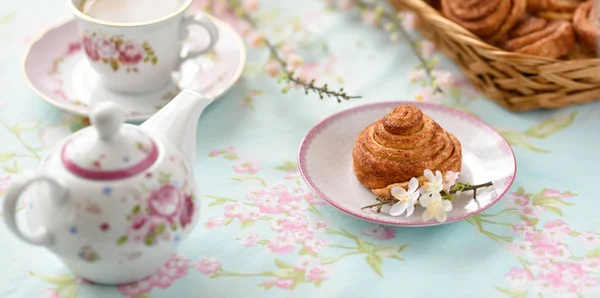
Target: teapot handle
{"points": [[58, 195]]}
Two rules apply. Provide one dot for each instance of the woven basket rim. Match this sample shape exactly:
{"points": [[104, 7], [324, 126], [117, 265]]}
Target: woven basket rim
{"points": [[424, 10]]}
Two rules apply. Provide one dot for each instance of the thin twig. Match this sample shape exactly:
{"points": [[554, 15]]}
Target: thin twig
{"points": [[458, 188], [308, 86], [413, 45]]}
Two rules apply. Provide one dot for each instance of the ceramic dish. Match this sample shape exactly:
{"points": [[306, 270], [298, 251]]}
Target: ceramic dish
{"points": [[57, 71], [325, 161]]}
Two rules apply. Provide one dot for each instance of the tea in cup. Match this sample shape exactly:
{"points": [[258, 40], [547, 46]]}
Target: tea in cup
{"points": [[135, 45]]}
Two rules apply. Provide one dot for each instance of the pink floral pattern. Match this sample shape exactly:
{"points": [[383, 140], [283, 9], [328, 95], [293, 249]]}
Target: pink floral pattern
{"points": [[549, 264], [117, 52], [296, 228], [169, 211], [175, 268]]}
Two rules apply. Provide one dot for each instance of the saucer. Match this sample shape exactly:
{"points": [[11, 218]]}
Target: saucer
{"points": [[325, 161], [57, 70]]}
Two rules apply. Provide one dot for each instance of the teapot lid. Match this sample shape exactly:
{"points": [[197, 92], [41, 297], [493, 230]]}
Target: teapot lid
{"points": [[112, 150]]}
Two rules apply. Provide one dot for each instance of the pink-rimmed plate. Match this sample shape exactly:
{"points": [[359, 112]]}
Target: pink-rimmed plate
{"points": [[325, 161]]}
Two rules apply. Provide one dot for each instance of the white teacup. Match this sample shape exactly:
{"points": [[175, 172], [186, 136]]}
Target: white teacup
{"points": [[132, 47]]}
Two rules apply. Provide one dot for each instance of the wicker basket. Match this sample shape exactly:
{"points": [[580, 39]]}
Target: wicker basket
{"points": [[516, 81]]}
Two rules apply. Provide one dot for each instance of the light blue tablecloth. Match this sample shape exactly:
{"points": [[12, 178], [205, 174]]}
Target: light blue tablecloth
{"points": [[541, 240]]}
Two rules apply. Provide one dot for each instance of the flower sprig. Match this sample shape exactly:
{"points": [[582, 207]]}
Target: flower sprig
{"points": [[287, 73], [374, 13], [435, 195]]}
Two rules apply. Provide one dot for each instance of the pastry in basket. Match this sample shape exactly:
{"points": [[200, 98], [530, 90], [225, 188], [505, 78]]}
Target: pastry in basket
{"points": [[490, 20], [584, 23], [401, 145], [553, 9], [540, 37]]}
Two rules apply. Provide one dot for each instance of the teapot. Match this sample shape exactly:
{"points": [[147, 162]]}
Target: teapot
{"points": [[114, 200]]}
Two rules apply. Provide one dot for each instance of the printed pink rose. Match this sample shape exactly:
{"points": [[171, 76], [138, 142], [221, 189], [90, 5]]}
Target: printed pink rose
{"points": [[73, 48], [106, 48], [187, 212], [284, 283], [175, 268], [207, 266], [91, 49], [130, 54], [142, 225], [281, 245], [379, 232], [166, 202], [214, 222]]}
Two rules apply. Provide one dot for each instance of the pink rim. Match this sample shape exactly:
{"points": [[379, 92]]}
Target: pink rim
{"points": [[313, 132], [110, 175]]}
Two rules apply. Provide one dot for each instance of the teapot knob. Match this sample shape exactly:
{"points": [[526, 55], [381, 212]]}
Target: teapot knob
{"points": [[107, 118]]}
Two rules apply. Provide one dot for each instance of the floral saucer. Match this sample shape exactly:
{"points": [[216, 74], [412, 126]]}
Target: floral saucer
{"points": [[56, 69], [325, 161]]}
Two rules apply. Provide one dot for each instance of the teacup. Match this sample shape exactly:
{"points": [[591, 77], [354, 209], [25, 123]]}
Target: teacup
{"points": [[136, 54]]}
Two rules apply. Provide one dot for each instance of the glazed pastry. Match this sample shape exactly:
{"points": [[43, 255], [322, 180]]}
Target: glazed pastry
{"points": [[536, 36], [402, 145], [585, 24], [553, 9], [490, 20]]}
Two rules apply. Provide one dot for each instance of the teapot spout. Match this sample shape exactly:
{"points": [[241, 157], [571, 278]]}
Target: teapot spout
{"points": [[177, 121]]}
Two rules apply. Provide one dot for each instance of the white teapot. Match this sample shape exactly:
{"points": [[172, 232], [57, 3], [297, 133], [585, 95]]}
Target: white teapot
{"points": [[114, 200]]}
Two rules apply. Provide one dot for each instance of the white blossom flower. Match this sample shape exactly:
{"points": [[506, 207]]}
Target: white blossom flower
{"points": [[450, 179], [406, 199], [436, 207], [434, 184]]}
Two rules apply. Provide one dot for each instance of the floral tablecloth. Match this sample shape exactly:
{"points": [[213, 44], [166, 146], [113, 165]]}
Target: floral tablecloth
{"points": [[541, 240]]}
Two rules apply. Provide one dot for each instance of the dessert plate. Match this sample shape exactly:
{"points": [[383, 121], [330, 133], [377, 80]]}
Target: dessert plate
{"points": [[325, 161], [57, 71]]}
